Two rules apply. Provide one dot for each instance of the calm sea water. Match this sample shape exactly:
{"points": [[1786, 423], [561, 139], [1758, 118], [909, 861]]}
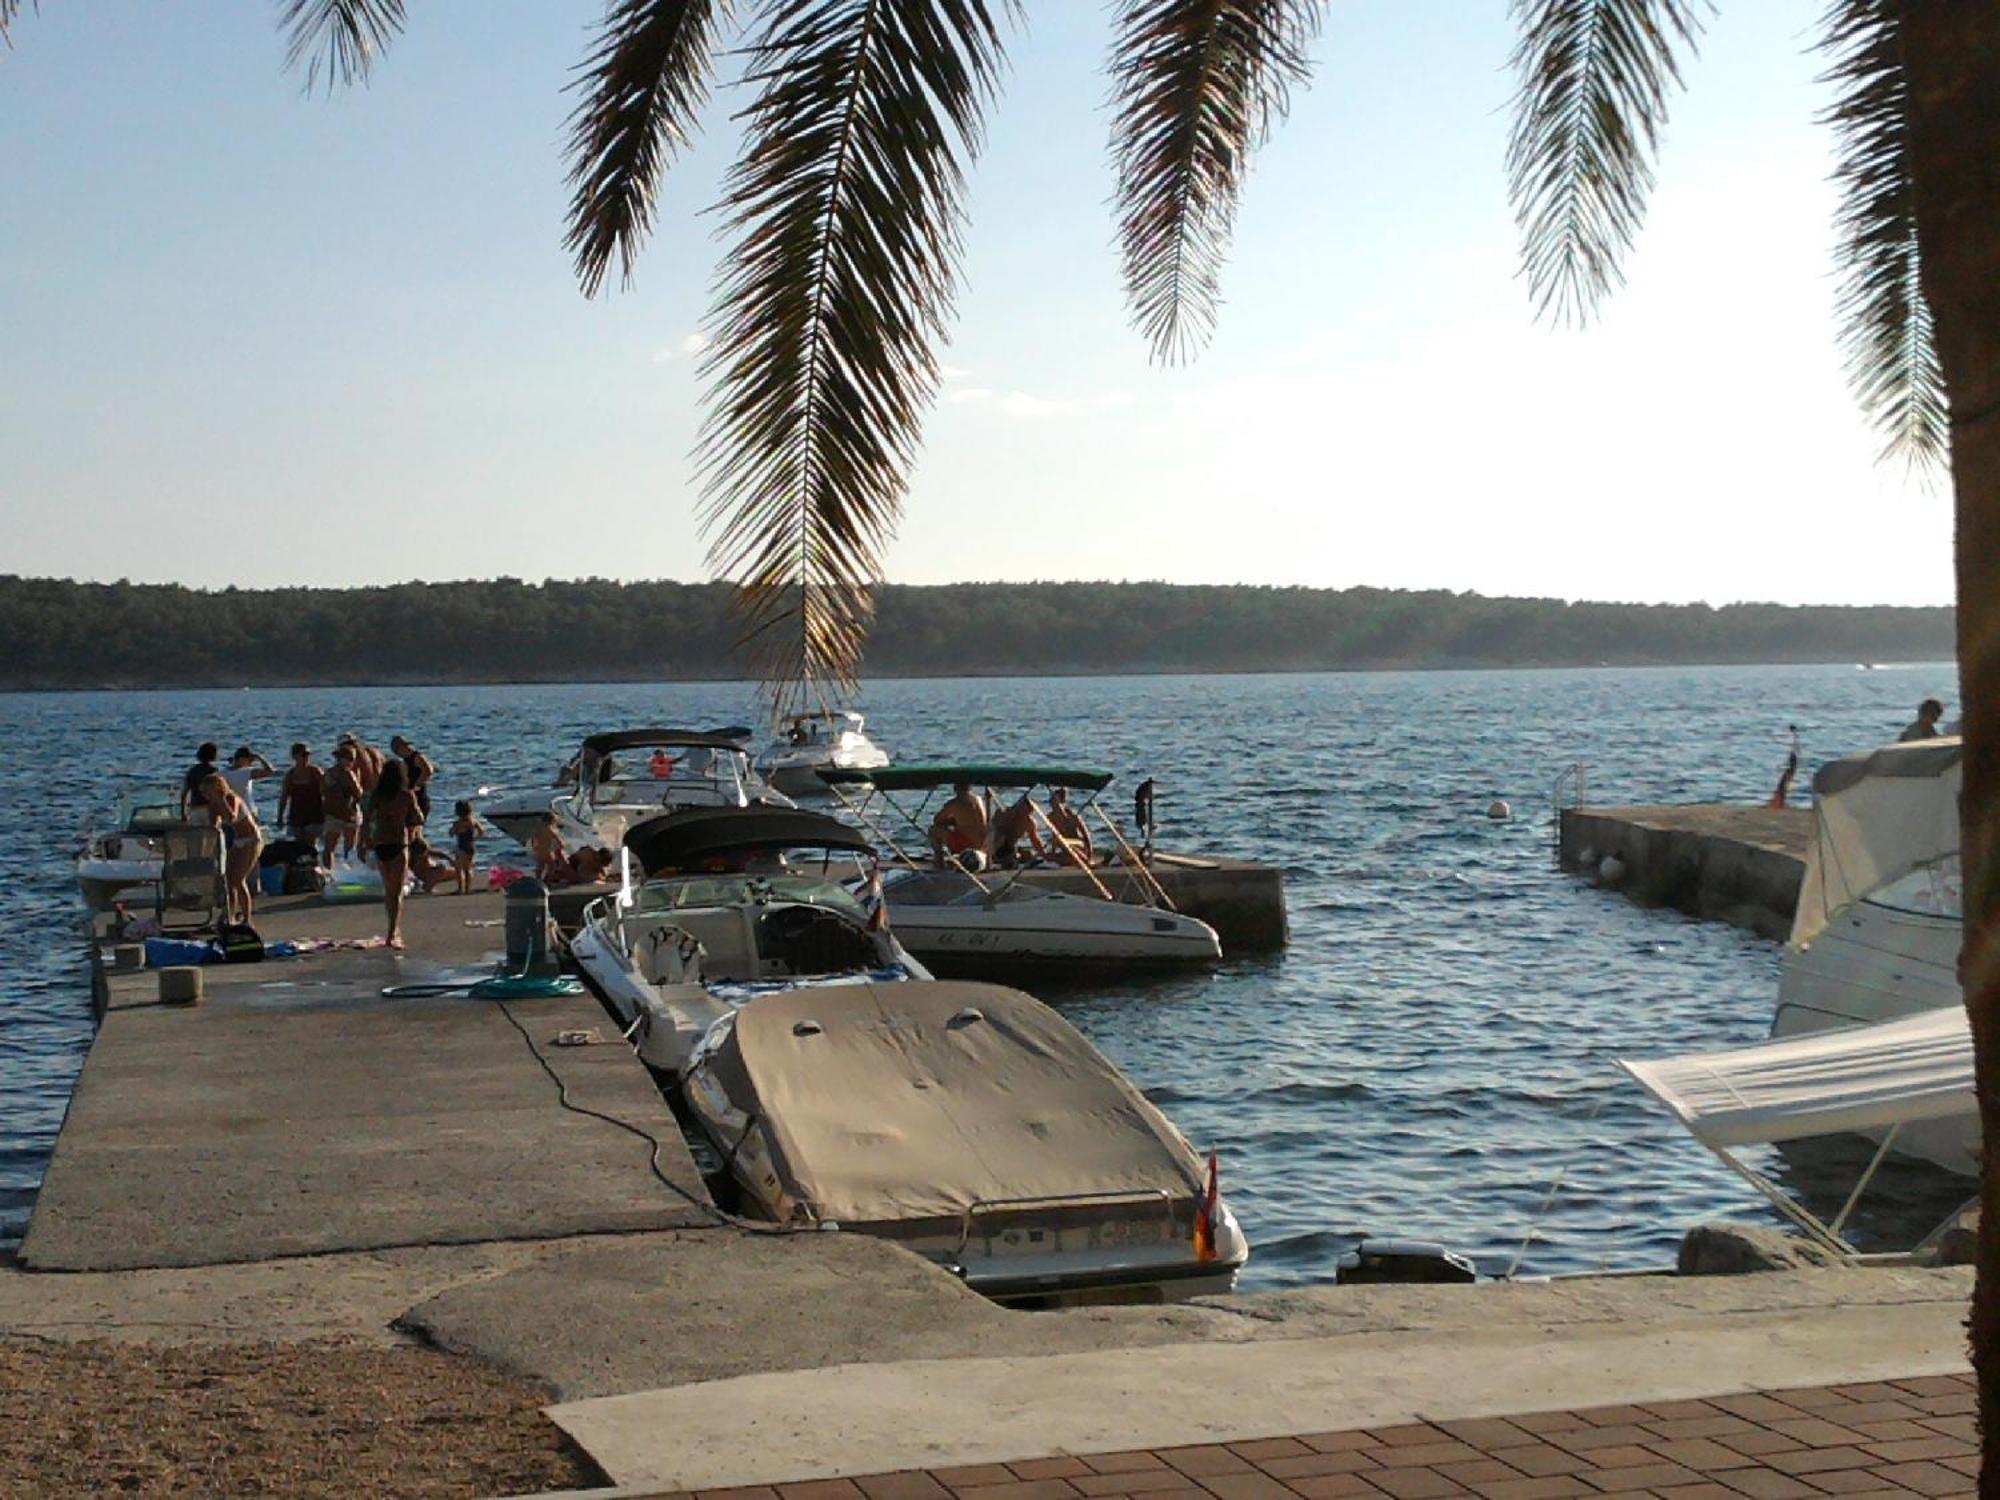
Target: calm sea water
{"points": [[1432, 1056]]}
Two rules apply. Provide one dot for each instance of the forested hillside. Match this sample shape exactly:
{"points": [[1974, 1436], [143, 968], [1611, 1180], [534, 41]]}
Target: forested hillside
{"points": [[60, 634]]}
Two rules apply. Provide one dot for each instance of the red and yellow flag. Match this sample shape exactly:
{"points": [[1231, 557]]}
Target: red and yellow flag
{"points": [[1204, 1214]]}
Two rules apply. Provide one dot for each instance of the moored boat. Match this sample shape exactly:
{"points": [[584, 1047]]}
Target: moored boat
{"points": [[729, 905], [1878, 927], [129, 856], [620, 777], [971, 1124], [976, 912], [822, 740]]}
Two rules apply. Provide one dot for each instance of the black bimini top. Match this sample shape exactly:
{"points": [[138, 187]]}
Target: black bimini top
{"points": [[692, 837], [631, 739]]}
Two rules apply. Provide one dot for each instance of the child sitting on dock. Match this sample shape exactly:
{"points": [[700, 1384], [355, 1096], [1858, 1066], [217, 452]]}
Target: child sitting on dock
{"points": [[465, 835]]}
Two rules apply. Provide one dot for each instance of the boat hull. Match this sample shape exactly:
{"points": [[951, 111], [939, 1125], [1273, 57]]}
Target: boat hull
{"points": [[1876, 963], [104, 881], [1051, 933]]}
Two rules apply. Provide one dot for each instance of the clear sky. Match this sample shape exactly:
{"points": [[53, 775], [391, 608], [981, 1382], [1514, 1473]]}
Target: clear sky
{"points": [[249, 337]]}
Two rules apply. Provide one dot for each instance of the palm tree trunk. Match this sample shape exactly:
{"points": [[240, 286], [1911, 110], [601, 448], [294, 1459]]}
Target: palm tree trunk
{"points": [[1951, 57]]}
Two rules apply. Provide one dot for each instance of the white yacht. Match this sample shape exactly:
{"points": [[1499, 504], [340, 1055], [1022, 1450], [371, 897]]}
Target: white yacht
{"points": [[824, 740], [109, 864], [619, 778], [733, 904], [972, 1125], [1878, 928]]}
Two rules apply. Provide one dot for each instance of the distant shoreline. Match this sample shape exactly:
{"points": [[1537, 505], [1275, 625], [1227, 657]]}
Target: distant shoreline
{"points": [[995, 675], [60, 635]]}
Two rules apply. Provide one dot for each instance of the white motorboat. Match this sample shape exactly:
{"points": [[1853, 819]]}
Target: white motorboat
{"points": [[730, 910], [959, 922], [624, 776], [1878, 929], [1907, 1085], [970, 918], [824, 740], [109, 864], [970, 1124]]}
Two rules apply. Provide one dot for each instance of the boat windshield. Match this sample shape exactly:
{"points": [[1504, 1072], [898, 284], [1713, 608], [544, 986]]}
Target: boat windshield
{"points": [[684, 892], [638, 777], [148, 812], [1936, 890]]}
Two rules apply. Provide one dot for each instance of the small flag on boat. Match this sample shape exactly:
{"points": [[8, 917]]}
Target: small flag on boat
{"points": [[1204, 1214]]}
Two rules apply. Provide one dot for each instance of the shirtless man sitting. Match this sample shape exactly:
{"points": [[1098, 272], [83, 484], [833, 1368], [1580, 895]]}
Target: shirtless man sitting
{"points": [[960, 826], [1014, 826], [1072, 841]]}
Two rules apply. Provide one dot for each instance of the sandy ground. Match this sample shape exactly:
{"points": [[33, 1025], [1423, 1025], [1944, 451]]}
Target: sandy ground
{"points": [[316, 1419]]}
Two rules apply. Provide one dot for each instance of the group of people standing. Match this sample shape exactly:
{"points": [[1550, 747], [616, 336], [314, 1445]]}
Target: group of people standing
{"points": [[365, 802]]}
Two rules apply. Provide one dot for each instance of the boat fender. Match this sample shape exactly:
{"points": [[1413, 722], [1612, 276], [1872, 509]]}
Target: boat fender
{"points": [[1611, 871]]}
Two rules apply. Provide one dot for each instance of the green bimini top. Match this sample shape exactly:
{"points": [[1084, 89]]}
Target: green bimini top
{"points": [[925, 778]]}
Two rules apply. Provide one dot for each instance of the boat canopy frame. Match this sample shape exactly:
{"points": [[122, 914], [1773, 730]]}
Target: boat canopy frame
{"points": [[930, 778], [1821, 1083], [858, 791]]}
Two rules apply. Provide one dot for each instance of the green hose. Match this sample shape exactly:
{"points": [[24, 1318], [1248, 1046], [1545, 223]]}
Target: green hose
{"points": [[525, 986], [494, 987]]}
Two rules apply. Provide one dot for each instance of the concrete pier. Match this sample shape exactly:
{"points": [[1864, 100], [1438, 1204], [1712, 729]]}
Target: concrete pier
{"points": [[1740, 865], [298, 1157], [295, 1110]]}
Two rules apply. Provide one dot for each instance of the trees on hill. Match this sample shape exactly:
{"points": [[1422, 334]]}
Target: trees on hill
{"points": [[58, 634]]}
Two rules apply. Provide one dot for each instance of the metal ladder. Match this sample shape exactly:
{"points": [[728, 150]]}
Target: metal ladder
{"points": [[1567, 793]]}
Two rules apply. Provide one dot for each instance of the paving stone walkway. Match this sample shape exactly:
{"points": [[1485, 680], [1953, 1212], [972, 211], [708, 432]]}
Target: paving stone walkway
{"points": [[1887, 1439]]}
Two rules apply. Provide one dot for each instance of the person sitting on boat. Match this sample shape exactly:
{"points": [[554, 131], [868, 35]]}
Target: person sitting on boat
{"points": [[1925, 725], [960, 827], [1014, 826], [1072, 834], [661, 765], [590, 865]]}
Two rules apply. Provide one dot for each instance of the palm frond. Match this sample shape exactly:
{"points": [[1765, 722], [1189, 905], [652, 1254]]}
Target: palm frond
{"points": [[1594, 79], [645, 80], [1198, 84], [844, 214], [1885, 323], [344, 37]]}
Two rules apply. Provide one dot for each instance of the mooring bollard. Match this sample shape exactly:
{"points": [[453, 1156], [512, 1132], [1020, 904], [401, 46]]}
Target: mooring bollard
{"points": [[180, 986], [531, 931]]}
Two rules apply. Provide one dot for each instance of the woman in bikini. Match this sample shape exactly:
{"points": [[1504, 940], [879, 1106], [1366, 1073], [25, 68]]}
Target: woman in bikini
{"points": [[391, 816], [242, 842]]}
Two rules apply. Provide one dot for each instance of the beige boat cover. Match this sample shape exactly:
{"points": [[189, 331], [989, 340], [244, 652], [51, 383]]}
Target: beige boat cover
{"points": [[916, 1100], [1877, 817]]}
